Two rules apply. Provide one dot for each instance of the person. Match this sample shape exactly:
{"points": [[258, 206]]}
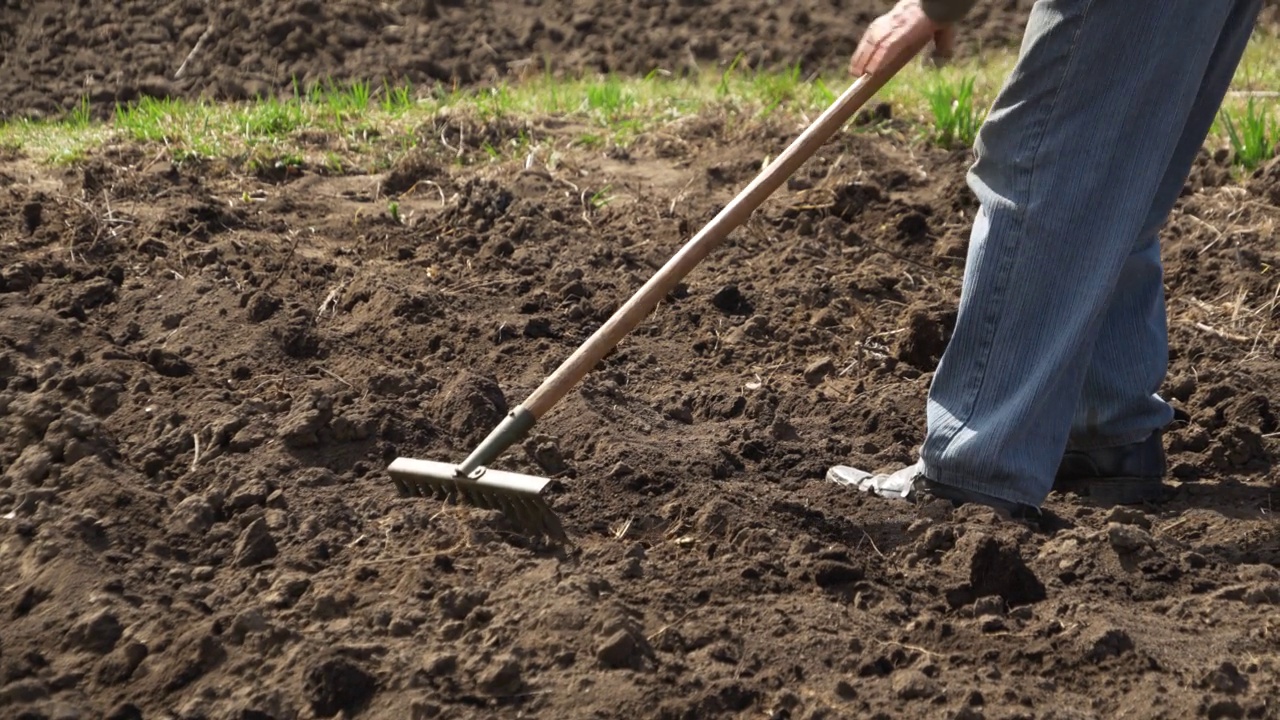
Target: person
{"points": [[1051, 375]]}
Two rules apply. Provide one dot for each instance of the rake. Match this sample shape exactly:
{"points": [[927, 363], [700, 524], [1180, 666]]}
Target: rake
{"points": [[522, 498]]}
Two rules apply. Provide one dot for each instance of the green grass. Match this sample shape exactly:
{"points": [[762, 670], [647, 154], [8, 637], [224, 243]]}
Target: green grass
{"points": [[366, 126], [955, 116], [1253, 133]]}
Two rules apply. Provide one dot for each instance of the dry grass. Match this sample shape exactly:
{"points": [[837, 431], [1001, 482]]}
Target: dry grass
{"points": [[1247, 313]]}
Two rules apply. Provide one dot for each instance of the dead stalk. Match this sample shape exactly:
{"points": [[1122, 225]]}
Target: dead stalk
{"points": [[620, 531], [1221, 333], [917, 648], [658, 633], [195, 50], [337, 377], [871, 540]]}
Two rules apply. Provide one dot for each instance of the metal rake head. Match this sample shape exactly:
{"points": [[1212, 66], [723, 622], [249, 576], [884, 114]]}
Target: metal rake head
{"points": [[519, 497]]}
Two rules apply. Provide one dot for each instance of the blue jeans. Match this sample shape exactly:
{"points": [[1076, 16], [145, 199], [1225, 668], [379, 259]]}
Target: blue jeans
{"points": [[1061, 338]]}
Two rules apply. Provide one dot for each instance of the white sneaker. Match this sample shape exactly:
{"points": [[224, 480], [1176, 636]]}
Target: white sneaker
{"points": [[899, 485]]}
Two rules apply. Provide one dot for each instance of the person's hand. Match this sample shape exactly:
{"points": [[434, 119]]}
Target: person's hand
{"points": [[901, 31]]}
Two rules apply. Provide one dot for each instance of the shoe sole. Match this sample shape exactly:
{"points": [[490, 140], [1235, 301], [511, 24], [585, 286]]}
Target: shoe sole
{"points": [[1116, 491]]}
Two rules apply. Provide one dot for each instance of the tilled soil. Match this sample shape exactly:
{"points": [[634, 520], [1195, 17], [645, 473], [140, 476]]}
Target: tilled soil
{"points": [[53, 54], [204, 376]]}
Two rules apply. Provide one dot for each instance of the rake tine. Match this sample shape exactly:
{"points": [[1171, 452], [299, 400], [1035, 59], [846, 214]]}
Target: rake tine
{"points": [[539, 512], [485, 500], [532, 514], [550, 522], [475, 496], [518, 497], [518, 511], [429, 490], [543, 520], [511, 507]]}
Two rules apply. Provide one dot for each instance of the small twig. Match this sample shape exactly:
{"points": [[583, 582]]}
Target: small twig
{"points": [[680, 195], [379, 561], [1222, 333], [1216, 232], [917, 648], [194, 50], [330, 303], [670, 625], [337, 377], [195, 457], [620, 531], [473, 286], [637, 246], [438, 189], [871, 540]]}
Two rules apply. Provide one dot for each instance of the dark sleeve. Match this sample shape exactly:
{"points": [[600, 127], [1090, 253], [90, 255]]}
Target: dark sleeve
{"points": [[946, 11]]}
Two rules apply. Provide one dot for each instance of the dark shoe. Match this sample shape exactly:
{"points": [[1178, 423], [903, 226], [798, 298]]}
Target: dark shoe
{"points": [[1123, 475], [910, 484], [957, 497]]}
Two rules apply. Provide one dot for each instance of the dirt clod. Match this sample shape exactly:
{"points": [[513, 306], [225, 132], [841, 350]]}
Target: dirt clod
{"points": [[997, 568], [922, 343], [168, 363], [470, 405], [818, 370], [120, 665], [831, 573], [336, 684], [729, 299], [262, 306], [31, 467], [914, 685], [97, 633], [617, 650], [255, 545], [193, 515], [1109, 643], [1128, 538]]}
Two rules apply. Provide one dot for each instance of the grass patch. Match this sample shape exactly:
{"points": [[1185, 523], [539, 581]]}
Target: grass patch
{"points": [[1252, 134], [956, 118], [362, 126]]}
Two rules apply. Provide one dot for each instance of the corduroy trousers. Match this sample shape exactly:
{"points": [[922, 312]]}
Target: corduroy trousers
{"points": [[1061, 338]]}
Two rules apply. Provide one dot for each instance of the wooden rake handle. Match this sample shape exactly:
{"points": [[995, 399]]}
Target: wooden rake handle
{"points": [[624, 320]]}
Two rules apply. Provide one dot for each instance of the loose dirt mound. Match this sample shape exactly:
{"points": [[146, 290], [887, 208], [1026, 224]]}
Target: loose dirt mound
{"points": [[202, 379], [54, 53]]}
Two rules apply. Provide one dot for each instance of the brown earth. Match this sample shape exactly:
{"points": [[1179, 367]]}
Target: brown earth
{"points": [[203, 377], [52, 54]]}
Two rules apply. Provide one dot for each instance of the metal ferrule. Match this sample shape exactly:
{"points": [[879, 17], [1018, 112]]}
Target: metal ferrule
{"points": [[510, 431]]}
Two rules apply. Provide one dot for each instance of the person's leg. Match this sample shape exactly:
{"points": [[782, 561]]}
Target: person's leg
{"points": [[1119, 404], [1082, 133]]}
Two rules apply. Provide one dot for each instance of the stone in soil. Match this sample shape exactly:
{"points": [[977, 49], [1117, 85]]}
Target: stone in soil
{"points": [[255, 545]]}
